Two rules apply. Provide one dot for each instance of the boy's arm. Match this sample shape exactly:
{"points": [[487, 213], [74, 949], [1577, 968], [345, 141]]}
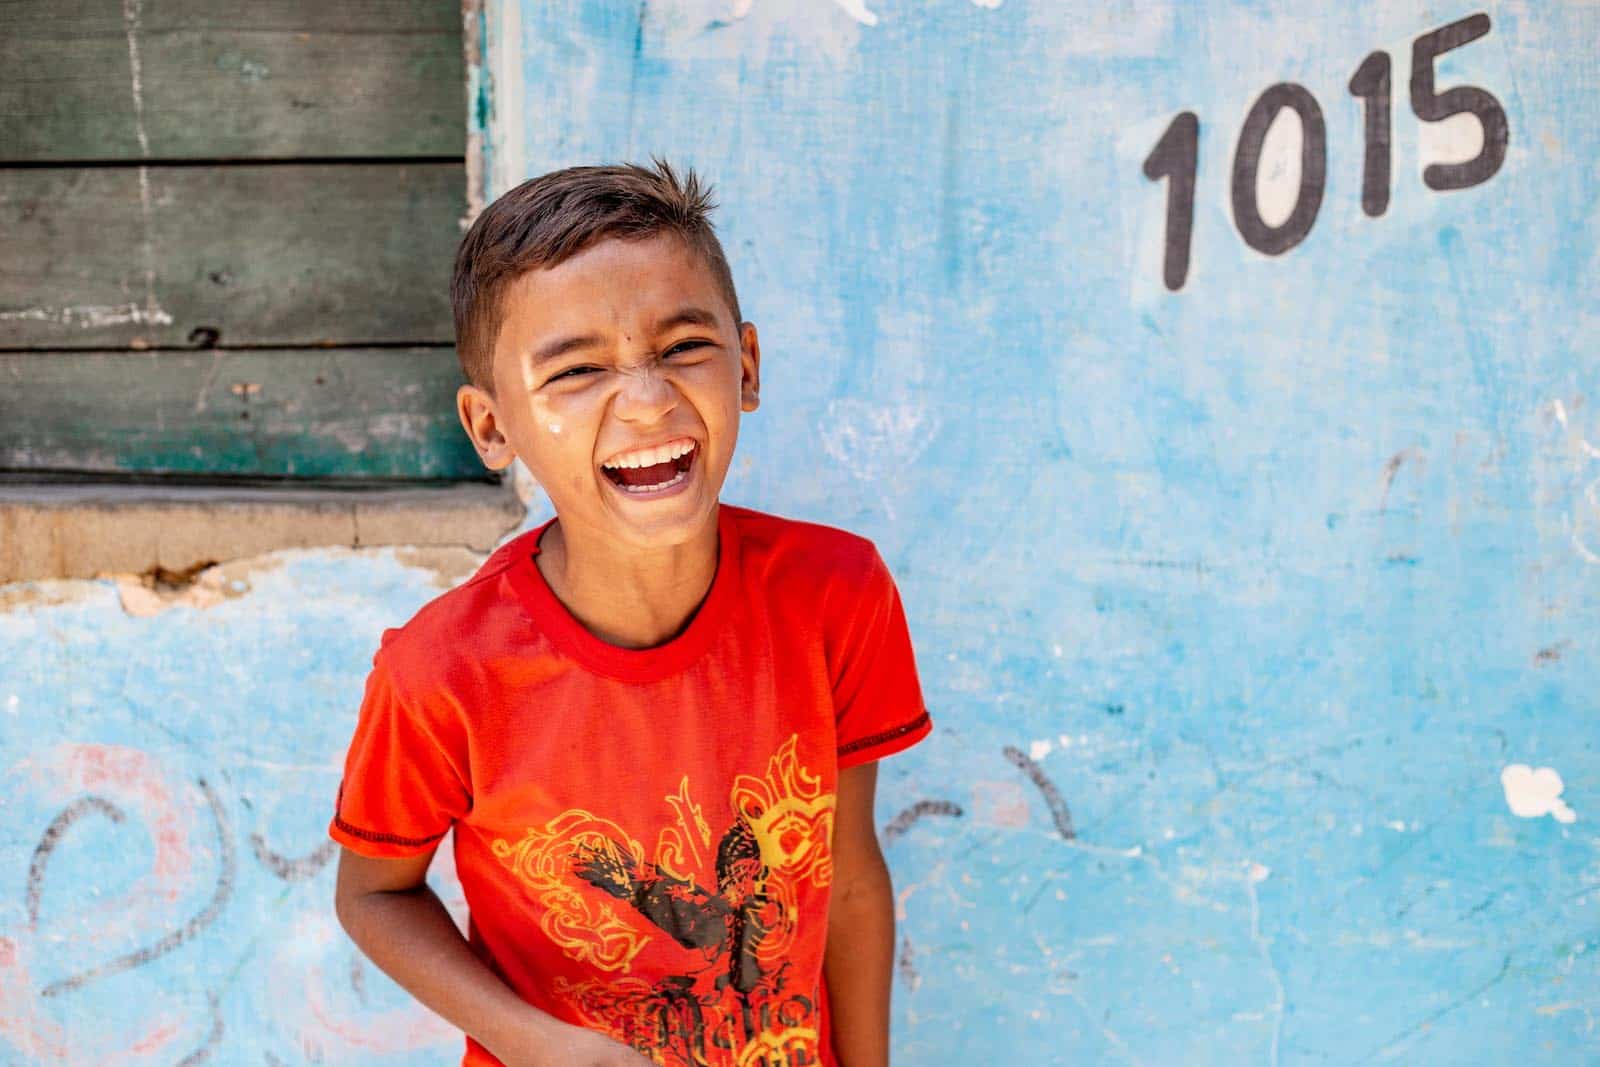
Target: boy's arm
{"points": [[402, 926], [860, 953]]}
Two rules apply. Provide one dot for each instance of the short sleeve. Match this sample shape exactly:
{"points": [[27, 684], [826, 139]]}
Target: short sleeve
{"points": [[877, 699], [405, 775]]}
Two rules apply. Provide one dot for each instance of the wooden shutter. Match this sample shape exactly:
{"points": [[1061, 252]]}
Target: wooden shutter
{"points": [[226, 231]]}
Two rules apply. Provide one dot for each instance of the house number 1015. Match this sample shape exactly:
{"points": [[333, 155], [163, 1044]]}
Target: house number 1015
{"points": [[1175, 157]]}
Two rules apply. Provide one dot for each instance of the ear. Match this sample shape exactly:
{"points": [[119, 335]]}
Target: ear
{"points": [[479, 419], [750, 367]]}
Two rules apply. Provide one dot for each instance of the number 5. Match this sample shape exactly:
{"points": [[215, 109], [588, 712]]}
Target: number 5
{"points": [[1436, 107]]}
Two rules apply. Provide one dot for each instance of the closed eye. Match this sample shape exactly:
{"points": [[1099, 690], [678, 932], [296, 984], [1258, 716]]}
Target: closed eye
{"points": [[680, 348]]}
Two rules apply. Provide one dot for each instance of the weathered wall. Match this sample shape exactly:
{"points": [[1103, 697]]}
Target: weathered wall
{"points": [[1234, 603]]}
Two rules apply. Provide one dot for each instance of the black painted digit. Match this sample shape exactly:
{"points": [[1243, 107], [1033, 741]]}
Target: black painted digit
{"points": [[1432, 106], [1276, 240], [1176, 157], [1371, 83]]}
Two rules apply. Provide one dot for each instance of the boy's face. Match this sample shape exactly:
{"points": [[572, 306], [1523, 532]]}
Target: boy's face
{"points": [[619, 377]]}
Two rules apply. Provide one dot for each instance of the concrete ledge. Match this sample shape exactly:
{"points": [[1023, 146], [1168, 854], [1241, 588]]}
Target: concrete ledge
{"points": [[80, 531]]}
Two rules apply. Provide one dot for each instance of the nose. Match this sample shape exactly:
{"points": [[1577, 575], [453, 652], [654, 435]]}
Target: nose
{"points": [[644, 395]]}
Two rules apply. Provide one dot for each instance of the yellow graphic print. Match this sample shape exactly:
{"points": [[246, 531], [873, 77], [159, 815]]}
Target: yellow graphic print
{"points": [[791, 816], [675, 846], [586, 929], [729, 904]]}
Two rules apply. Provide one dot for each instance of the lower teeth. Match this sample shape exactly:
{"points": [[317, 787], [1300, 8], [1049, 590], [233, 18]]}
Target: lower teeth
{"points": [[674, 480]]}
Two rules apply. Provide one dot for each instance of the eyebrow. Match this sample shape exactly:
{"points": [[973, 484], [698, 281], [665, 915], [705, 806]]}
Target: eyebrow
{"points": [[684, 316], [564, 345], [687, 316]]}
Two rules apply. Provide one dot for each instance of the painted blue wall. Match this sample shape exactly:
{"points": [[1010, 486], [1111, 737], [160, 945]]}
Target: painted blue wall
{"points": [[1270, 577], [1233, 604]]}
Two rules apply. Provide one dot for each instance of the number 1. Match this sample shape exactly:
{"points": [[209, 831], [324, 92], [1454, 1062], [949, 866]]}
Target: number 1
{"points": [[1176, 156], [1371, 83]]}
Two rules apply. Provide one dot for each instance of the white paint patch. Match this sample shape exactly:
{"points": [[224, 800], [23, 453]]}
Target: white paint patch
{"points": [[13, 702], [553, 427], [89, 316], [990, 4], [1038, 750], [1278, 176], [858, 11], [1531, 793]]}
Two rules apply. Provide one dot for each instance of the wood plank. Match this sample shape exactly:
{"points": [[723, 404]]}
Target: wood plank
{"points": [[111, 257], [230, 79], [309, 413]]}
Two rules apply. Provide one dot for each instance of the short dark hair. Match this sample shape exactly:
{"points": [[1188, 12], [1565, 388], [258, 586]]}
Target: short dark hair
{"points": [[551, 218]]}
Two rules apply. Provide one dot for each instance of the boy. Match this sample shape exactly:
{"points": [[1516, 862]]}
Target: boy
{"points": [[652, 722]]}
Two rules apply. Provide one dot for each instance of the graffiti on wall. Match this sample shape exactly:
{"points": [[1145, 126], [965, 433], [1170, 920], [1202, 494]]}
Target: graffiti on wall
{"points": [[1175, 158], [139, 865]]}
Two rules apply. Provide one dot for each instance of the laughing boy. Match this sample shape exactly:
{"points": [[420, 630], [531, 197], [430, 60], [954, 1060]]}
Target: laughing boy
{"points": [[653, 722]]}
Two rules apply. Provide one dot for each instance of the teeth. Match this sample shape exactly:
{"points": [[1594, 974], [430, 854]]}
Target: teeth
{"points": [[658, 487], [649, 457]]}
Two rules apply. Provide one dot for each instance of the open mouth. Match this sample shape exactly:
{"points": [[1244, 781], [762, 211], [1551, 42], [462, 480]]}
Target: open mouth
{"points": [[668, 466]]}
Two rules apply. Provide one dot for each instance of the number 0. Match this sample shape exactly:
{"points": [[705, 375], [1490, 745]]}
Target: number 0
{"points": [[1276, 240]]}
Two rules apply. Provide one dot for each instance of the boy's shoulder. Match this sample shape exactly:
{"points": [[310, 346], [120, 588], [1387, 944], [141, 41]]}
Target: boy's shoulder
{"points": [[800, 556], [460, 622], [827, 551]]}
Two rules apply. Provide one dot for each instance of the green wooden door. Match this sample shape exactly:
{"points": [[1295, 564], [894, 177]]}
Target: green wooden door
{"points": [[226, 230]]}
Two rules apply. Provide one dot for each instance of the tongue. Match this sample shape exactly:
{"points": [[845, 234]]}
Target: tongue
{"points": [[654, 474]]}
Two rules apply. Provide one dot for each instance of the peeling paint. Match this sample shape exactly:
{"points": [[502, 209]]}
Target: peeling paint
{"points": [[1532, 793], [45, 594], [449, 565], [88, 316], [202, 587]]}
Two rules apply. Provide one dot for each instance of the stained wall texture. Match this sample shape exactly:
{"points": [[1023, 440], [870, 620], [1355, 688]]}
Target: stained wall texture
{"points": [[1251, 559]]}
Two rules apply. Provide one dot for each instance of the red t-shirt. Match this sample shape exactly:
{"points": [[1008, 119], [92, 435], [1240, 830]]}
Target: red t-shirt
{"points": [[643, 836]]}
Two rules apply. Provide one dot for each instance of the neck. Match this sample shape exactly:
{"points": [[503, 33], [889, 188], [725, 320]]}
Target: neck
{"points": [[628, 598]]}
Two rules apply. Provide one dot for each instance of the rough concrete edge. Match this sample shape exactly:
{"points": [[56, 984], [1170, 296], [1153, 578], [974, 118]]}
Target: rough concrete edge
{"points": [[52, 532]]}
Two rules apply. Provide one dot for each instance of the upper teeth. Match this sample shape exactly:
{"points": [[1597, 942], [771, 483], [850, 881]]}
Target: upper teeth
{"points": [[649, 457]]}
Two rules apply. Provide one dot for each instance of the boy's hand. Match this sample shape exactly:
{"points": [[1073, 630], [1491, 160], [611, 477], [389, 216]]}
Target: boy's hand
{"points": [[400, 924], [598, 1050], [574, 1046]]}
